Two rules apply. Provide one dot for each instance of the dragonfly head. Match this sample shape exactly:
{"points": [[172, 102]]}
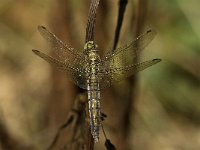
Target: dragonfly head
{"points": [[90, 46]]}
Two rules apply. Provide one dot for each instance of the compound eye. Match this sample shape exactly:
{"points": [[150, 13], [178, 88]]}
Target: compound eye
{"points": [[90, 45]]}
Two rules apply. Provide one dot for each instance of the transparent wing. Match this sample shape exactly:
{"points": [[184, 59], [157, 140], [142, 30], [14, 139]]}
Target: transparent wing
{"points": [[77, 75], [63, 51], [113, 75], [126, 55]]}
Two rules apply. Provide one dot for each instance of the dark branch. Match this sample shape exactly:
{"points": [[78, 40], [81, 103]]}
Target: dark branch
{"points": [[121, 11]]}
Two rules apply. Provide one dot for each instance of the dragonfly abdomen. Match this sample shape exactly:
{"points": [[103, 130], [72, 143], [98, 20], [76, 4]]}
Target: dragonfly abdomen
{"points": [[94, 108], [92, 70]]}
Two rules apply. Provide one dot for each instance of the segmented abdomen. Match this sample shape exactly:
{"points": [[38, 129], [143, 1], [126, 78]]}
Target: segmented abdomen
{"points": [[94, 108]]}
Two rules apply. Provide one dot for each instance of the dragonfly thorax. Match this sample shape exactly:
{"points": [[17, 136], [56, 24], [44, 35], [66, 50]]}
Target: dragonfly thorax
{"points": [[93, 56]]}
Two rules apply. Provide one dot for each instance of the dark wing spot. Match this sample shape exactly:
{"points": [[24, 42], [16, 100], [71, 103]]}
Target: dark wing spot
{"points": [[35, 51], [158, 60], [148, 31]]}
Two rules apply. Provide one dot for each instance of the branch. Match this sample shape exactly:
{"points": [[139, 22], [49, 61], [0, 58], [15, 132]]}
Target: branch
{"points": [[91, 20], [121, 11]]}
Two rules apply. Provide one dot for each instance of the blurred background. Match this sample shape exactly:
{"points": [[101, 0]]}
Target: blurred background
{"points": [[36, 98]]}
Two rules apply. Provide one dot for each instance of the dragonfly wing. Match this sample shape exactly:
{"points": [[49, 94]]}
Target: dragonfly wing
{"points": [[127, 54], [114, 75], [75, 74], [63, 51]]}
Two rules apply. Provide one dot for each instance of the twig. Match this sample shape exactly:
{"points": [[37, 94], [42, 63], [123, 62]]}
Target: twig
{"points": [[91, 20], [121, 11], [138, 26]]}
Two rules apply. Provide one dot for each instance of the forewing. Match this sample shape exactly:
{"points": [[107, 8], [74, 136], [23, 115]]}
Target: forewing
{"points": [[126, 55], [114, 75], [77, 75], [63, 51]]}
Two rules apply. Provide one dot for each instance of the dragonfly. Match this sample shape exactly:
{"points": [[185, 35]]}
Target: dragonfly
{"points": [[93, 73]]}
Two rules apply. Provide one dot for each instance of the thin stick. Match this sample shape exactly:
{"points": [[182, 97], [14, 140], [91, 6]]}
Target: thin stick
{"points": [[91, 20], [121, 11]]}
